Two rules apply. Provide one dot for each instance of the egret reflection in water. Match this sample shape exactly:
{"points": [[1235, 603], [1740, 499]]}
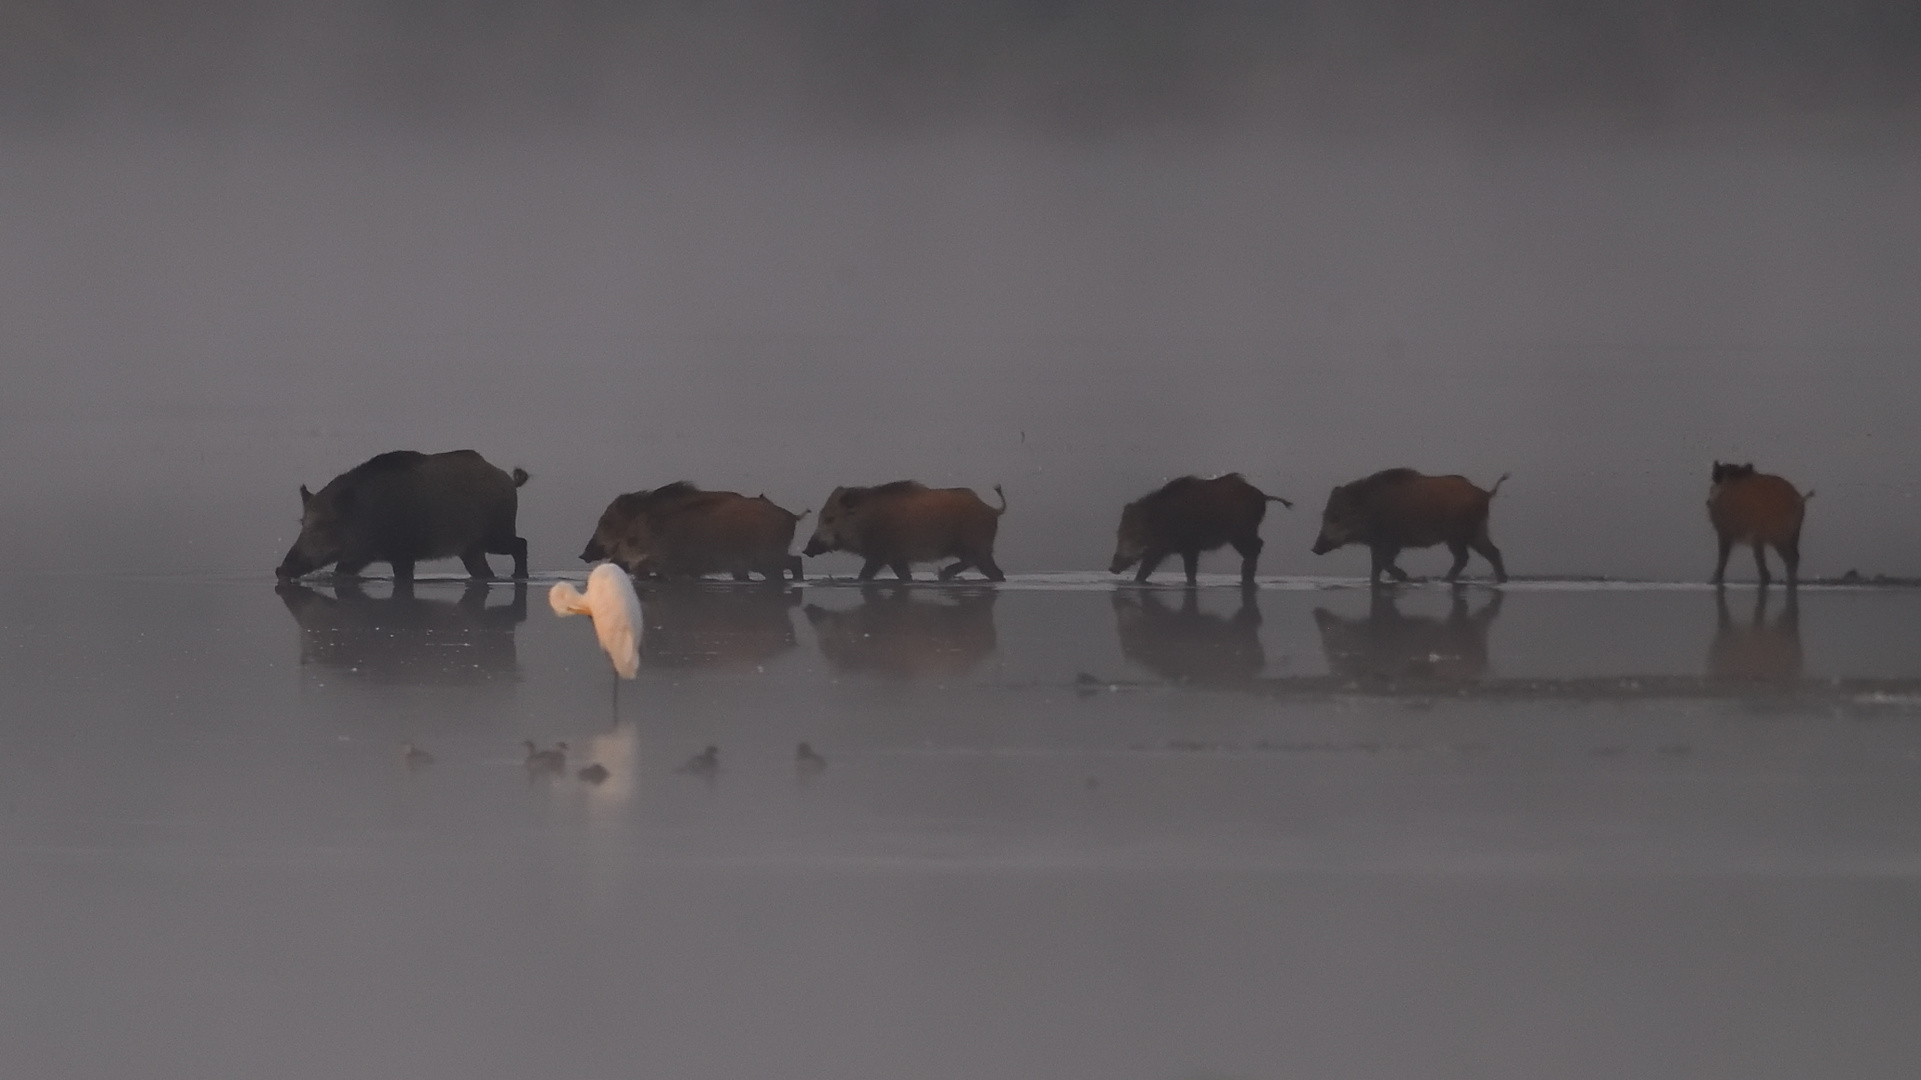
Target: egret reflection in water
{"points": [[908, 632], [1759, 650], [1187, 644], [407, 638], [1391, 646]]}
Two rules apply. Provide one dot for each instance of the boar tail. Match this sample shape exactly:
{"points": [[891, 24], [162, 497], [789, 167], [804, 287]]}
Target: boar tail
{"points": [[1003, 496], [1278, 499], [520, 476], [1809, 494], [802, 514], [1491, 492]]}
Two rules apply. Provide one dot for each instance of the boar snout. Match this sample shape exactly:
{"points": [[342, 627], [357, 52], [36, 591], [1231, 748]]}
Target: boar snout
{"points": [[593, 552], [814, 547]]}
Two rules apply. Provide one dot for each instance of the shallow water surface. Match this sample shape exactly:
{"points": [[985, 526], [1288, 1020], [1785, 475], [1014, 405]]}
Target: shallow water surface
{"points": [[1066, 829]]}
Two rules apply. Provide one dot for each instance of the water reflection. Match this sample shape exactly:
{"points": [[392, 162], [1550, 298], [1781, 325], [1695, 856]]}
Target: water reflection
{"points": [[1388, 645], [1186, 644], [907, 632], [694, 625], [1757, 651], [405, 638]]}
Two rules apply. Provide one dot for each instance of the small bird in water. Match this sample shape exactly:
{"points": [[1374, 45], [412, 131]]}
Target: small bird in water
{"points": [[414, 756], [595, 774], [704, 764], [806, 762], [546, 761]]}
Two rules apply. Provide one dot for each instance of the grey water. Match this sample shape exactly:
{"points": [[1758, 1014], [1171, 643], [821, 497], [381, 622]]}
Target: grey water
{"points": [[1066, 828]]}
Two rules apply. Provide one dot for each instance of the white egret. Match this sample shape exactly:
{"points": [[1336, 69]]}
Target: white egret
{"points": [[610, 602]]}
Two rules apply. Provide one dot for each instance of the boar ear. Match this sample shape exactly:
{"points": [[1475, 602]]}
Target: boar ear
{"points": [[305, 496]]}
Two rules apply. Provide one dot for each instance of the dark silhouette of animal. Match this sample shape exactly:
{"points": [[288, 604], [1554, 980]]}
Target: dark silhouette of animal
{"points": [[1759, 509], [678, 530], [404, 639], [691, 625], [1401, 508], [404, 507], [1187, 645], [1392, 647], [896, 525], [898, 633], [1188, 516], [1759, 652], [705, 764]]}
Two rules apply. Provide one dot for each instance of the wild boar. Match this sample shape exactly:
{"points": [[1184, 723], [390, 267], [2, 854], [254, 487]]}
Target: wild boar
{"points": [[1188, 516], [402, 507], [1392, 647], [1759, 509], [896, 525], [678, 530], [1401, 508], [896, 633]]}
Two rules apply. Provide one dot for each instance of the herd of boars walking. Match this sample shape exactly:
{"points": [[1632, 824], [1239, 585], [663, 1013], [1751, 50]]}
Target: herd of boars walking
{"points": [[405, 507]]}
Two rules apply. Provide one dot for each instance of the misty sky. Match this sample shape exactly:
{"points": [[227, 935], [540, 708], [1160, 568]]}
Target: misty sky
{"points": [[1072, 248]]}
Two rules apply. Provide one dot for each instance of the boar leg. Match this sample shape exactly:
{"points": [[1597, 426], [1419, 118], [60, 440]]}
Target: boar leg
{"points": [[476, 563], [1191, 564], [1761, 562], [740, 575], [403, 570], [902, 571], [1384, 556], [1791, 560], [518, 549], [868, 569], [948, 573], [989, 567], [1493, 555], [1250, 549], [1721, 564], [350, 566], [1460, 558], [1149, 561], [794, 568]]}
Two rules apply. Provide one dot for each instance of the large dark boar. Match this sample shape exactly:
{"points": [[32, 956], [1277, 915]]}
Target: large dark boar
{"points": [[896, 525], [1188, 516], [1747, 507], [1400, 508], [681, 531], [402, 507]]}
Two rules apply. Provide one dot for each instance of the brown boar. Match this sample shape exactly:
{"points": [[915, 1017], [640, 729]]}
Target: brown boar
{"points": [[896, 525], [1759, 509], [1189, 515], [1401, 508], [402, 507], [897, 633], [681, 531], [1392, 647]]}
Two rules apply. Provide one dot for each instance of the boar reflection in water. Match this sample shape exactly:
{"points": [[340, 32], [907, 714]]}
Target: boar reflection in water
{"points": [[1188, 645], [1759, 651], [690, 625], [1389, 645], [406, 639], [900, 631]]}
